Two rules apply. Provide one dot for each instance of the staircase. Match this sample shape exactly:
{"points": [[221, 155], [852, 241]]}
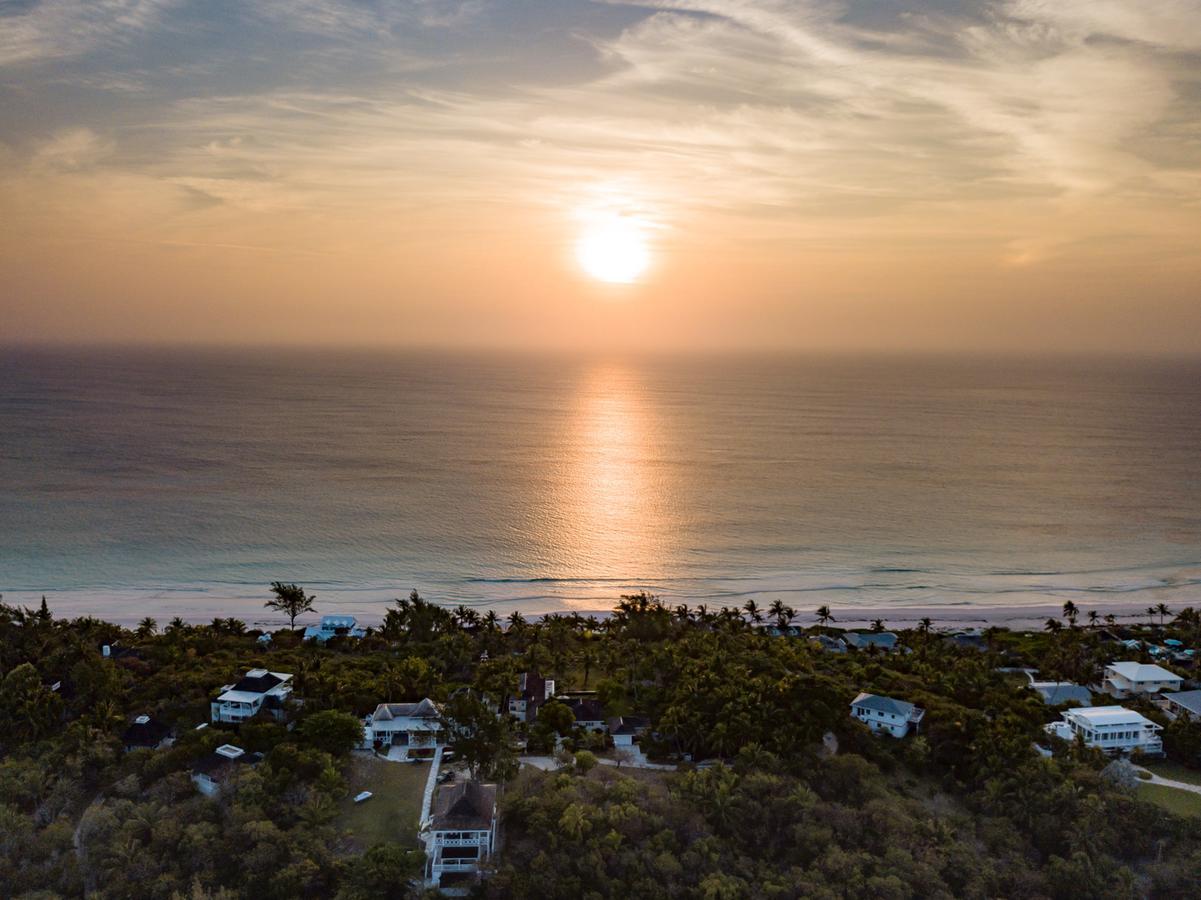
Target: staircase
{"points": [[427, 799]]}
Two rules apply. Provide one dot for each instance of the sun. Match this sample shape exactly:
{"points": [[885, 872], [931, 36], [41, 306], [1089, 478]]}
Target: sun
{"points": [[614, 249]]}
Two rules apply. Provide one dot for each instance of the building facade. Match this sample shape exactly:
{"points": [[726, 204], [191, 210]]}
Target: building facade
{"points": [[886, 715], [1113, 729], [257, 690], [460, 834], [1125, 679]]}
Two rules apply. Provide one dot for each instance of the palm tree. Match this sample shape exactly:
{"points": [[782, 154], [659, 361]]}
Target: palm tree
{"points": [[1163, 611], [1070, 612], [1053, 625], [291, 600], [147, 627], [752, 610], [1111, 620], [1093, 618], [824, 616], [877, 625]]}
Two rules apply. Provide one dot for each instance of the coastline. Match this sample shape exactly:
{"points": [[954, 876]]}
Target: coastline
{"points": [[128, 607]]}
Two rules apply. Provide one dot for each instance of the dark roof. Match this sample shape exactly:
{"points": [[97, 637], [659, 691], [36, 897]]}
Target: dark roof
{"points": [[629, 724], [258, 684], [1057, 692], [532, 686], [1187, 700], [145, 734], [586, 710], [217, 766], [465, 806]]}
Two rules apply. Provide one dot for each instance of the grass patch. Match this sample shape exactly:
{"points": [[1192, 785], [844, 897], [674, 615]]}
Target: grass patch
{"points": [[1182, 803], [390, 815], [1174, 771]]}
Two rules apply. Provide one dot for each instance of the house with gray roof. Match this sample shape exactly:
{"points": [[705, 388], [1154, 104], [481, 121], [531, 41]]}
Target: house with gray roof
{"points": [[884, 714], [404, 730], [1183, 703], [1057, 693], [879, 640]]}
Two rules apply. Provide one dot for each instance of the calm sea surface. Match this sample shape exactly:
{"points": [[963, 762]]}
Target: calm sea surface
{"points": [[185, 481]]}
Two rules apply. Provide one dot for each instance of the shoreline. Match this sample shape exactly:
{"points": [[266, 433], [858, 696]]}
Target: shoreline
{"points": [[127, 608]]}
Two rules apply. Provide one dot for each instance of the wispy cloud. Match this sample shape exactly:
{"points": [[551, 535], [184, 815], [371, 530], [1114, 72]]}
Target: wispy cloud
{"points": [[56, 29]]}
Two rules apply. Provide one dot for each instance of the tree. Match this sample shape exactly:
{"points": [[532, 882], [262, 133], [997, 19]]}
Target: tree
{"points": [[28, 709], [877, 625], [585, 761], [824, 616], [753, 611], [385, 872], [557, 716], [331, 731], [1071, 612], [1163, 611], [1151, 612], [147, 627], [479, 737], [1093, 618], [291, 600]]}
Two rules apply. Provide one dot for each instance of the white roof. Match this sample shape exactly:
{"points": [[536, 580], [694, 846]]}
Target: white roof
{"points": [[1108, 715], [1135, 671], [229, 751], [239, 697]]}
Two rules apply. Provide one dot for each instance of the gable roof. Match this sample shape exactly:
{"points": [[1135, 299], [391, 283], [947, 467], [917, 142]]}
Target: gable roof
{"points": [[464, 806], [1136, 671], [259, 681], [886, 640], [876, 703], [1188, 700], [585, 709], [628, 724], [420, 709], [1057, 692]]}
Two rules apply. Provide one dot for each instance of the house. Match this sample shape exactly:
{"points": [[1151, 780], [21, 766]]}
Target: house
{"points": [[335, 626], [1123, 679], [257, 690], [460, 834], [413, 728], [1055, 693], [532, 691], [625, 730], [879, 640], [969, 640], [212, 772], [1113, 729], [830, 644], [589, 713], [147, 733], [1184, 703], [886, 714]]}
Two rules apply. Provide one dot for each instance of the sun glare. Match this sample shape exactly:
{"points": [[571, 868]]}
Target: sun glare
{"points": [[614, 250]]}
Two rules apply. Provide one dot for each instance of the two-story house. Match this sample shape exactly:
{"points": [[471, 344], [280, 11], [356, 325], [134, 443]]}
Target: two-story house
{"points": [[460, 834], [257, 690], [1125, 679], [414, 729], [884, 714], [532, 691], [335, 626], [1113, 729]]}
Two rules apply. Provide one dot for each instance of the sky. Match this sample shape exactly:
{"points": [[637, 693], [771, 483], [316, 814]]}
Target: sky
{"points": [[1015, 175]]}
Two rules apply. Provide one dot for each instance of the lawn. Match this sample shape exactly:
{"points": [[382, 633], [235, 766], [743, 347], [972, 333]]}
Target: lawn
{"points": [[1183, 803], [390, 815], [1173, 771]]}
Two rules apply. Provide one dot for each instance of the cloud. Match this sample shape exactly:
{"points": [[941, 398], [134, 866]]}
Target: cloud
{"points": [[57, 29]]}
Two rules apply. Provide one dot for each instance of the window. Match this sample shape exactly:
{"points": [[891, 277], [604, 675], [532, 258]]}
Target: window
{"points": [[460, 852]]}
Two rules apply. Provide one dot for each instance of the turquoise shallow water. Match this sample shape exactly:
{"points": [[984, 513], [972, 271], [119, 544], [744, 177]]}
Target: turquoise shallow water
{"points": [[184, 480]]}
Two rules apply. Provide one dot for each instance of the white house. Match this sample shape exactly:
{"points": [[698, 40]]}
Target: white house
{"points": [[1123, 679], [335, 626], [1113, 729], [886, 714], [1185, 703], [210, 773], [460, 834], [532, 691], [258, 689], [414, 729], [625, 730]]}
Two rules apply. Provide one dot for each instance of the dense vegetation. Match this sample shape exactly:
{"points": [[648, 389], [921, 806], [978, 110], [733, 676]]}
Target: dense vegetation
{"points": [[808, 805]]}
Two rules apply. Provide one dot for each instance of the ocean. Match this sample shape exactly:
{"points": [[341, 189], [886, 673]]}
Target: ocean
{"points": [[182, 482]]}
